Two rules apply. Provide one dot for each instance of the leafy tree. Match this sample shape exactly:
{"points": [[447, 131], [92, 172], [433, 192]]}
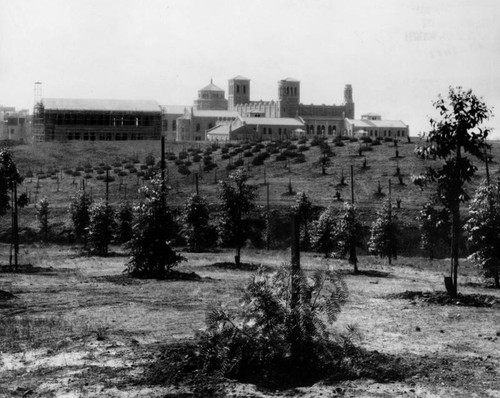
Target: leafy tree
{"points": [[458, 133], [483, 229], [195, 217], [434, 224], [237, 199], [125, 218], [9, 180], [303, 209], [8, 177], [384, 241], [324, 162], [325, 232], [151, 254], [102, 226], [348, 234], [79, 210], [42, 215], [258, 342]]}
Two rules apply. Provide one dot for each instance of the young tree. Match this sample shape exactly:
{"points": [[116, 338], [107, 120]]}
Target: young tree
{"points": [[457, 134], [483, 230], [80, 215], [348, 233], [102, 226], [125, 217], [9, 180], [383, 241], [237, 199], [42, 215], [151, 254], [434, 225], [325, 232], [303, 209], [8, 177], [195, 217]]}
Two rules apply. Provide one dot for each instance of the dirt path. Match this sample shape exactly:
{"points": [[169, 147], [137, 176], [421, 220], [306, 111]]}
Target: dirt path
{"points": [[78, 328]]}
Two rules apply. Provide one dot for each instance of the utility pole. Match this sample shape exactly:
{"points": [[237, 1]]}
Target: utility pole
{"points": [[352, 184]]}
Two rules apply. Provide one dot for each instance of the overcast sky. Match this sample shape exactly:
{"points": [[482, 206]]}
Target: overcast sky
{"points": [[397, 54]]}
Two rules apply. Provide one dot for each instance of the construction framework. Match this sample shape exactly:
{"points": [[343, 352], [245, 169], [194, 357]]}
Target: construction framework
{"points": [[97, 120]]}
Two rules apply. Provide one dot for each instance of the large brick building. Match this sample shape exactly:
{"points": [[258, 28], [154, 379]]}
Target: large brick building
{"points": [[64, 119], [213, 117]]}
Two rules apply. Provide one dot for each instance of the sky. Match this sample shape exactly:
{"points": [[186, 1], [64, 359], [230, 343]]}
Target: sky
{"points": [[398, 55]]}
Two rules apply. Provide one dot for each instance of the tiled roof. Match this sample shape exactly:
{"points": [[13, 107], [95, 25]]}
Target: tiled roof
{"points": [[81, 104], [365, 123], [211, 87], [291, 79], [273, 121]]}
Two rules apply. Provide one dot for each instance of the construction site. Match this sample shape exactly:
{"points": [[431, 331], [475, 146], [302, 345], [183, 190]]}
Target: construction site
{"points": [[65, 119]]}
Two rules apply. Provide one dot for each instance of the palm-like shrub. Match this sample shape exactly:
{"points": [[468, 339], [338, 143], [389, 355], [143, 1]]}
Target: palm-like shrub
{"points": [[271, 342]]}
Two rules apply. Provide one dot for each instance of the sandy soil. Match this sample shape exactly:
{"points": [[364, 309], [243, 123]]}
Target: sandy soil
{"points": [[77, 327]]}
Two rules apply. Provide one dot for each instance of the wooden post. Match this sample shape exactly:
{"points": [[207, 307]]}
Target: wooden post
{"points": [[107, 186], [196, 182], [15, 229], [162, 164], [352, 184], [268, 229]]}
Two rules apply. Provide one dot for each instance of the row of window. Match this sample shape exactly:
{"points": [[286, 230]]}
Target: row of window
{"points": [[321, 129], [387, 133], [99, 120], [104, 136]]}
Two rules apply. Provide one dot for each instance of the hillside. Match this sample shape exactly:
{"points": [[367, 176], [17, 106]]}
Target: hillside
{"points": [[58, 170]]}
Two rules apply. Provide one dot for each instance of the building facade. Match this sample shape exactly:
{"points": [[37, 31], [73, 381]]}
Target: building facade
{"points": [[286, 114], [372, 125], [63, 119], [15, 125]]}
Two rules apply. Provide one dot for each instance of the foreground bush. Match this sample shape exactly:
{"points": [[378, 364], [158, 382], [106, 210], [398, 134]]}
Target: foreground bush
{"points": [[271, 343]]}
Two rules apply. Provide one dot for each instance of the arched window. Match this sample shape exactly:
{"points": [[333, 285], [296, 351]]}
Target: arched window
{"points": [[244, 89], [318, 130], [198, 126], [210, 126], [237, 88]]}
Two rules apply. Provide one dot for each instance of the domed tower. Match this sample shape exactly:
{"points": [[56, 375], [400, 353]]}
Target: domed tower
{"points": [[211, 97], [239, 91], [348, 101], [289, 96]]}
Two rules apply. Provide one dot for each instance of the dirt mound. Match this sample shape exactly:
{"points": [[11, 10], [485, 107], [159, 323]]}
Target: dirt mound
{"points": [[6, 295], [442, 298]]}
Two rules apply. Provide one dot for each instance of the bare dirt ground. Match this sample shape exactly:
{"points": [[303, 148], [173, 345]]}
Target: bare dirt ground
{"points": [[77, 327]]}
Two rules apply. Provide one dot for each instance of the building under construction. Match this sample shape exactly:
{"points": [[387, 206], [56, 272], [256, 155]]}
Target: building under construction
{"points": [[63, 119]]}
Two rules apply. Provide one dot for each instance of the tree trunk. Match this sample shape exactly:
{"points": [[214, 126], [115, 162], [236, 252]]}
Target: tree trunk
{"points": [[237, 258], [353, 258], [496, 277]]}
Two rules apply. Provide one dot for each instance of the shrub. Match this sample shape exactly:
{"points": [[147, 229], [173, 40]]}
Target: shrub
{"points": [[196, 230], [80, 216], [125, 217], [151, 254], [275, 341], [102, 226], [42, 214]]}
